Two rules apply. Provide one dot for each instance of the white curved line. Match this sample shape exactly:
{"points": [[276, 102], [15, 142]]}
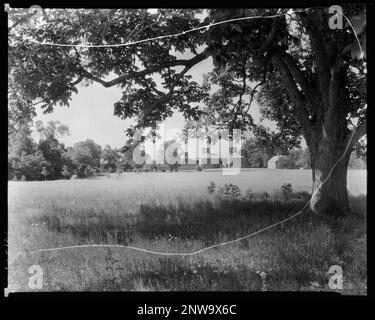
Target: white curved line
{"points": [[159, 37]]}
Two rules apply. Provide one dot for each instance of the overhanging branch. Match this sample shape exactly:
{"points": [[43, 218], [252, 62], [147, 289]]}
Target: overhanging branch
{"points": [[299, 76], [189, 63], [269, 41], [313, 29], [296, 96]]}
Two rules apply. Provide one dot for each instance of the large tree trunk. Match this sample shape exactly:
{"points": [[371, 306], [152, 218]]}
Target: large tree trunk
{"points": [[321, 110], [329, 175]]}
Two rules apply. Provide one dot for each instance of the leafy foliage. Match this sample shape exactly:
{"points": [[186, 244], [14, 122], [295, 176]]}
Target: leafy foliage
{"points": [[230, 190], [87, 153], [241, 51], [109, 158], [211, 187], [28, 165], [49, 159]]}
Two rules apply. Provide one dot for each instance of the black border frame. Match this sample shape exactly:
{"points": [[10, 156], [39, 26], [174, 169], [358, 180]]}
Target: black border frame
{"points": [[245, 301]]}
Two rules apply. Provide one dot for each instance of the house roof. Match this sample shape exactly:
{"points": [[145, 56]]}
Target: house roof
{"points": [[275, 158]]}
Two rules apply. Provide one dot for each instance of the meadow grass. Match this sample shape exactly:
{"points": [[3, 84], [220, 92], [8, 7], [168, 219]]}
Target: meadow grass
{"points": [[173, 212]]}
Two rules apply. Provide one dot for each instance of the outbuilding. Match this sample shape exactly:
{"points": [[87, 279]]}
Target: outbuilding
{"points": [[275, 162]]}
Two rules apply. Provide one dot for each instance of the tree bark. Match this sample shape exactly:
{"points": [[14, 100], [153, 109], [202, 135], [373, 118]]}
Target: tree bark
{"points": [[323, 121], [329, 164]]}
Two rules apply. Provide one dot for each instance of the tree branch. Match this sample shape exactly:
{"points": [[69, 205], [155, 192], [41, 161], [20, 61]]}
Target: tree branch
{"points": [[239, 102], [23, 19], [74, 83], [67, 21], [139, 74], [253, 91], [142, 29], [313, 29], [299, 76], [270, 39], [296, 96]]}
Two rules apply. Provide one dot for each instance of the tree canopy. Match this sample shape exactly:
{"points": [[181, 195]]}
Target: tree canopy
{"points": [[50, 74]]}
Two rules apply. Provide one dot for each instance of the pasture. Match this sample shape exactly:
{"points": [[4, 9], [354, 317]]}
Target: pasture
{"points": [[173, 212]]}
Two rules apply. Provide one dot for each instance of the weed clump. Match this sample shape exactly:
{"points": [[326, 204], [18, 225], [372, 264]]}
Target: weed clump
{"points": [[211, 187], [230, 190]]}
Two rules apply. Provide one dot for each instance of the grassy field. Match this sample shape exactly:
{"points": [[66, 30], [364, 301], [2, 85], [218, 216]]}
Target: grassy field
{"points": [[173, 212]]}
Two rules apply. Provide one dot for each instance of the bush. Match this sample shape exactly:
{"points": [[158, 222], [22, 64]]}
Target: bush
{"points": [[230, 190], [287, 190], [44, 173], [264, 195], [65, 172], [85, 170], [211, 187], [249, 194], [29, 165], [302, 195], [173, 167], [163, 168], [89, 171]]}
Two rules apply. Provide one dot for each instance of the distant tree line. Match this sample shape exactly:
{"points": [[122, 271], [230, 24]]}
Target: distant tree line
{"points": [[50, 159], [257, 155]]}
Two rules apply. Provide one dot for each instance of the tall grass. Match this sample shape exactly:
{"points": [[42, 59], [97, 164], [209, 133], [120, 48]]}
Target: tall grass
{"points": [[291, 256]]}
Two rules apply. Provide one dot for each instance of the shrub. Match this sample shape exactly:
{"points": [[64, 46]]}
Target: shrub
{"points": [[89, 171], [287, 190], [264, 195], [301, 195], [44, 173], [65, 172], [29, 165], [163, 168], [173, 167], [85, 170], [211, 187], [230, 190], [249, 194], [199, 168]]}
